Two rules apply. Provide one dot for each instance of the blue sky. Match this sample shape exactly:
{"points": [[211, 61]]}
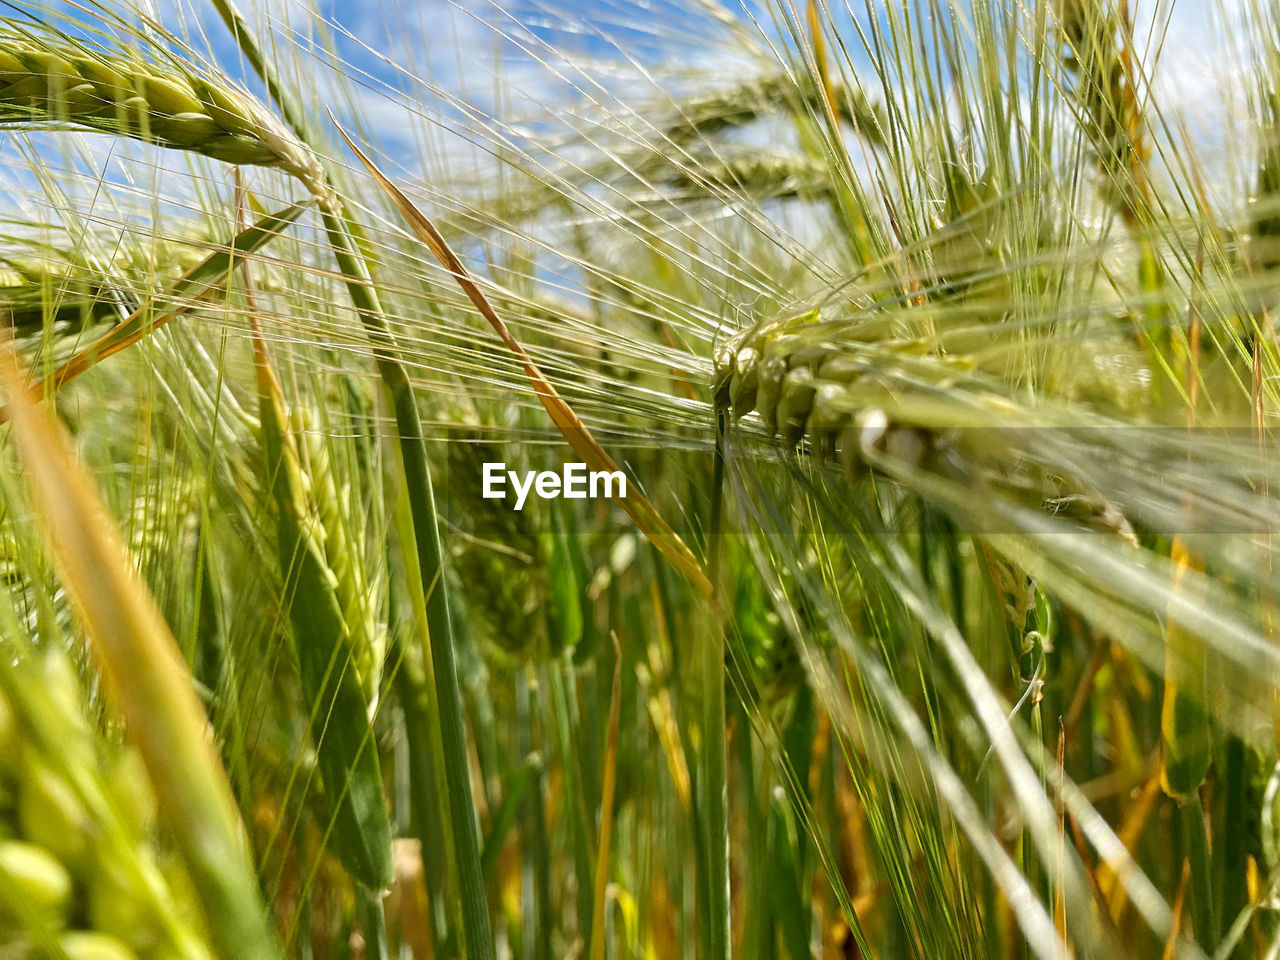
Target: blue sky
{"points": [[418, 65], [456, 45]]}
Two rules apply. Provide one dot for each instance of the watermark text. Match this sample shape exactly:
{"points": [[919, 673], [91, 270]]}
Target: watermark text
{"points": [[573, 482]]}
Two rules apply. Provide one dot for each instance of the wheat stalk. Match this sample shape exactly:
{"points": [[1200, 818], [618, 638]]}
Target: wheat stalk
{"points": [[173, 106]]}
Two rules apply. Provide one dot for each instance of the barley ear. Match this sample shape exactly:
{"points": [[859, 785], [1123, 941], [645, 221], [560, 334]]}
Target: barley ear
{"points": [[346, 749], [145, 670], [46, 82]]}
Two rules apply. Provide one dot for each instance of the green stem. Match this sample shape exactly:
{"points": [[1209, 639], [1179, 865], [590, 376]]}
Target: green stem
{"points": [[713, 793], [1233, 855], [1196, 839], [425, 799], [537, 869], [373, 924], [355, 271], [757, 934], [571, 756]]}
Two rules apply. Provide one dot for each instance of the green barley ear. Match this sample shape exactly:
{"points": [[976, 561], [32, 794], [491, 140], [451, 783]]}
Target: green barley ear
{"points": [[324, 647], [705, 115], [341, 519], [1094, 35], [144, 673], [830, 387], [58, 283], [44, 82], [80, 845], [779, 176], [33, 291]]}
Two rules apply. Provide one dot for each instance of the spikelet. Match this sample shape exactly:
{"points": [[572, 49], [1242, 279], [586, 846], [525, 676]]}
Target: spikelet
{"points": [[338, 525]]}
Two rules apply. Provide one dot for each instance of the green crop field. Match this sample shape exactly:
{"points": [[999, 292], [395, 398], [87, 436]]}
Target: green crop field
{"points": [[616, 479]]}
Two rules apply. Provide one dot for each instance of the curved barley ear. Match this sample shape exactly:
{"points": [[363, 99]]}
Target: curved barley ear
{"points": [[43, 82], [847, 389]]}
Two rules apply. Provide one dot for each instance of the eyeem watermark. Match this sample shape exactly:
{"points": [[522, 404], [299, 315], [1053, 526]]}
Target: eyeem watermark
{"points": [[574, 482]]}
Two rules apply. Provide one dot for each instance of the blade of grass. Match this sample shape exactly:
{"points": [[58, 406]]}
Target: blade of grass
{"points": [[144, 673], [1186, 739], [713, 794], [435, 851], [373, 925], [568, 740], [1196, 836], [538, 922], [609, 781], [423, 711], [507, 814]]}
